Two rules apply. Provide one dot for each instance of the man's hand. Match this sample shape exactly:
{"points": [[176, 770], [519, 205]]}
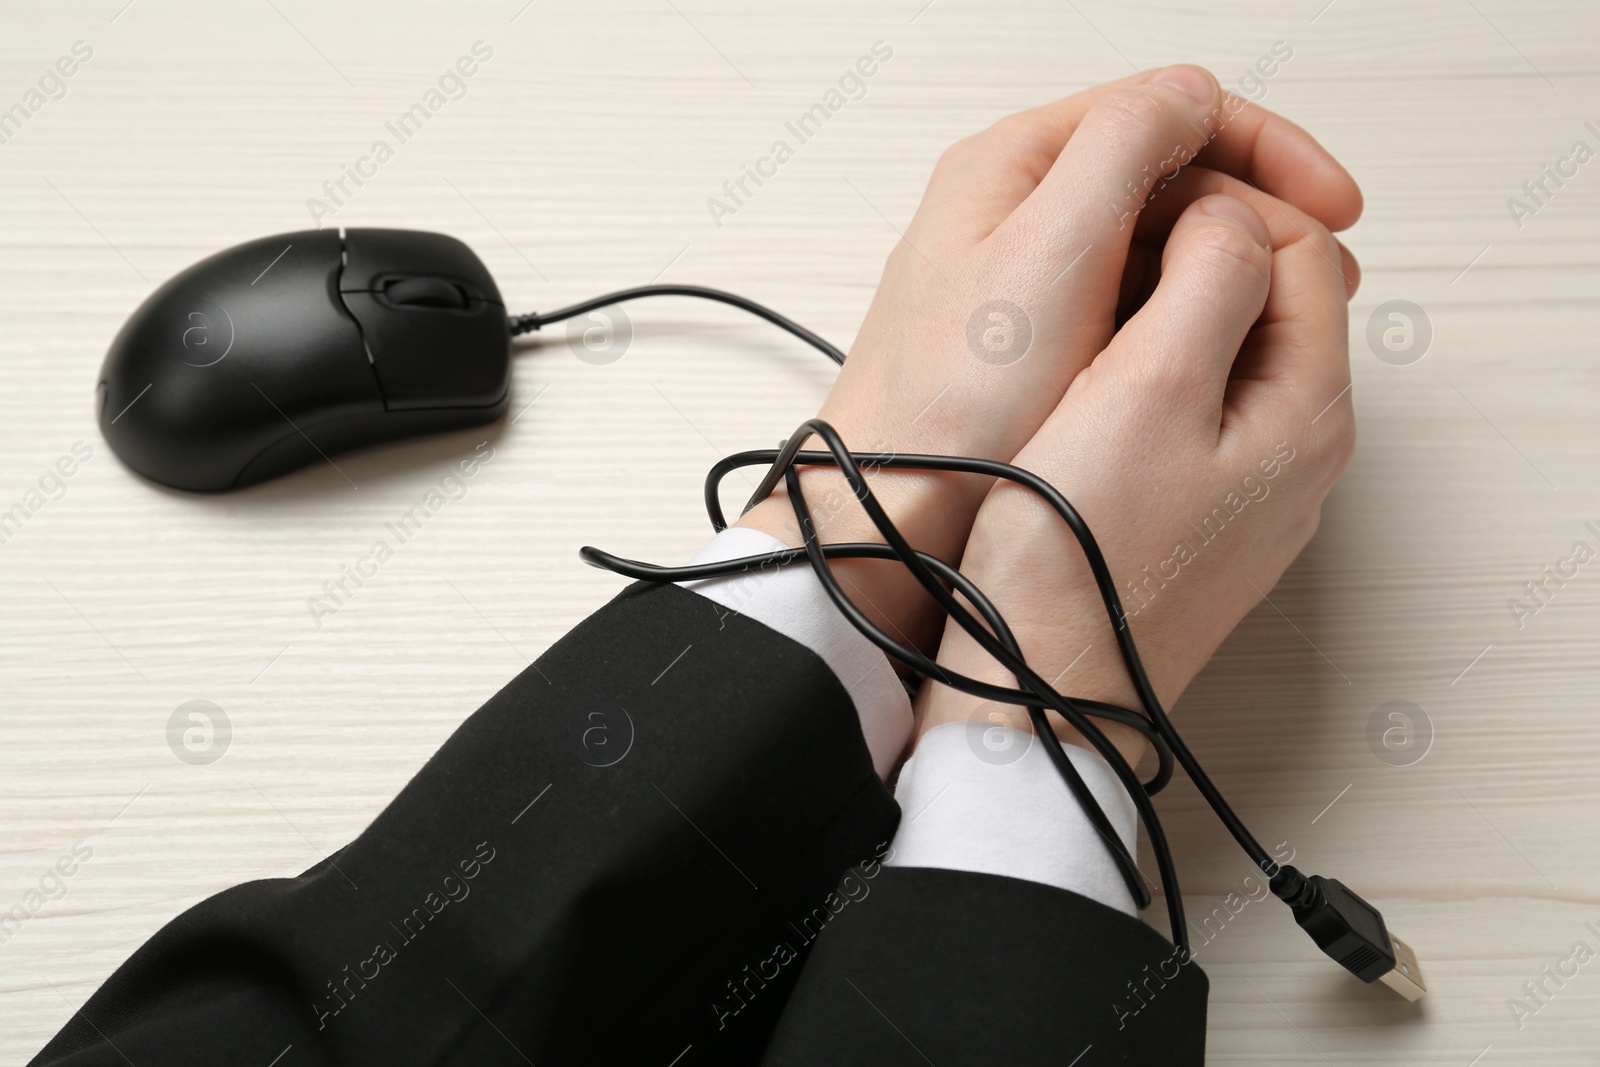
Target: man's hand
{"points": [[1198, 447], [1033, 239]]}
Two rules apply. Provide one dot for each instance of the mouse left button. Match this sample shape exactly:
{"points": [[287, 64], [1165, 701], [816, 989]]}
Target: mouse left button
{"points": [[229, 356]]}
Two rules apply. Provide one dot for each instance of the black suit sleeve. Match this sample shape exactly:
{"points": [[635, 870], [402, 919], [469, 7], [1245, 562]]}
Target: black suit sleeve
{"points": [[954, 968], [598, 867]]}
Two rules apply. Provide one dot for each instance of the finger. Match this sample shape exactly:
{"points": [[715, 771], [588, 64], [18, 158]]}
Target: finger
{"points": [[1283, 160], [1162, 210], [1306, 316], [1170, 200], [982, 178], [1139, 278], [1143, 271], [1081, 217], [1215, 276], [1260, 362], [1350, 267]]}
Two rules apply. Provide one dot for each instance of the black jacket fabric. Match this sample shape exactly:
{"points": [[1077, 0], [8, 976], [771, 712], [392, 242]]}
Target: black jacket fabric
{"points": [[632, 854], [951, 967]]}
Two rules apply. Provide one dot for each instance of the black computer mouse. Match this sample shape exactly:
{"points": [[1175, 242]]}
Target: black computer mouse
{"points": [[283, 351]]}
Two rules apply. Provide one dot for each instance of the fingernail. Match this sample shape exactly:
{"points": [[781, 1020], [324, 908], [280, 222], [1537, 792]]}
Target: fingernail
{"points": [[1191, 80], [1226, 207]]}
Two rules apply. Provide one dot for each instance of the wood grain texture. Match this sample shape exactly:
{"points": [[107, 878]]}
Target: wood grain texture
{"points": [[580, 159]]}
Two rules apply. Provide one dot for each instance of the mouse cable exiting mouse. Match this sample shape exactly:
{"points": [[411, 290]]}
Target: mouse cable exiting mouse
{"points": [[521, 324]]}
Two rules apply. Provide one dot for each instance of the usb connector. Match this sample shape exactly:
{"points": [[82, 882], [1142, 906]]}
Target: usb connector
{"points": [[1350, 931], [1405, 977]]}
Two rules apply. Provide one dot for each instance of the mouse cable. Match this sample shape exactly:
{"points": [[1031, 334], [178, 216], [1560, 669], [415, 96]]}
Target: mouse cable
{"points": [[868, 550], [521, 324], [1038, 690], [1342, 924]]}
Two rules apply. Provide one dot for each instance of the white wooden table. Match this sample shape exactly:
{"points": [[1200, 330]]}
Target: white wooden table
{"points": [[579, 159]]}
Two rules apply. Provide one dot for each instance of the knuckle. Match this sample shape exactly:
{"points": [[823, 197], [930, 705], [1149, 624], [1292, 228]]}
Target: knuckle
{"points": [[997, 136], [1321, 240], [1231, 250], [952, 156], [1167, 385], [1131, 111], [1017, 143], [1016, 126]]}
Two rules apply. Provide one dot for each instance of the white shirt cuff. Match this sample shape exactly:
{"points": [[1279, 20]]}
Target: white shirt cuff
{"points": [[982, 797], [792, 601], [976, 796]]}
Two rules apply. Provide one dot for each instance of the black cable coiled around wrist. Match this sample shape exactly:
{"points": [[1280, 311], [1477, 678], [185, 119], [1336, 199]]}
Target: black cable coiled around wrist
{"points": [[942, 581]]}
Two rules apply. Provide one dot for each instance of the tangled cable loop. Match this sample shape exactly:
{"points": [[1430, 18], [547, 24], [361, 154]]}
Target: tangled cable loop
{"points": [[943, 581]]}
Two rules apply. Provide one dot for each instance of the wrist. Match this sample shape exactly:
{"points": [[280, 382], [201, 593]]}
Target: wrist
{"points": [[937, 705], [932, 510], [1027, 563]]}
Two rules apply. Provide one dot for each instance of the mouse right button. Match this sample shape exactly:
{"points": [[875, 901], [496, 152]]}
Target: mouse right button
{"points": [[429, 356]]}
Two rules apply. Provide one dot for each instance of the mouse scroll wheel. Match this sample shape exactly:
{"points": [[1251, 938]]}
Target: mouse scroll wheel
{"points": [[425, 293]]}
